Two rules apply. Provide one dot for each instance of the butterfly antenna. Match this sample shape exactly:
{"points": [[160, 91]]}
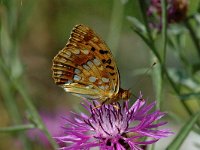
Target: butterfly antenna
{"points": [[145, 73], [135, 96]]}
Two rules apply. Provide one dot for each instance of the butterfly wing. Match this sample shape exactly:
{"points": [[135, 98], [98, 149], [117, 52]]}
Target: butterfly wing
{"points": [[86, 67]]}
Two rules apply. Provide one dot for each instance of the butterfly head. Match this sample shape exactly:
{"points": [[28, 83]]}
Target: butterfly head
{"points": [[125, 94]]}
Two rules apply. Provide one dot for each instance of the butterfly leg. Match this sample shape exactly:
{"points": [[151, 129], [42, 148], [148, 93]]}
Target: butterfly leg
{"points": [[96, 107], [116, 106], [100, 104]]}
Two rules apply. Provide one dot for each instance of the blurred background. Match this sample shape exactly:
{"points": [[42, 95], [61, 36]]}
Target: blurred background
{"points": [[32, 33]]}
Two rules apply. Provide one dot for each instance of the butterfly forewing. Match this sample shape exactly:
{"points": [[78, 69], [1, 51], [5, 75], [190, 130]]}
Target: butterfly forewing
{"points": [[85, 66]]}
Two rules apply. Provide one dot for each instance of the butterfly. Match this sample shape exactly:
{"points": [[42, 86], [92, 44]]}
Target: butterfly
{"points": [[85, 67]]}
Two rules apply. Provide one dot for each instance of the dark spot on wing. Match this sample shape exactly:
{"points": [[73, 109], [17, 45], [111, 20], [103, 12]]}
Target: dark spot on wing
{"points": [[106, 61], [93, 49], [103, 51], [112, 73], [110, 67]]}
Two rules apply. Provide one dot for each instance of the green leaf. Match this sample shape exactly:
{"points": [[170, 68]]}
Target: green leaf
{"points": [[185, 130], [137, 24], [182, 78], [190, 95]]}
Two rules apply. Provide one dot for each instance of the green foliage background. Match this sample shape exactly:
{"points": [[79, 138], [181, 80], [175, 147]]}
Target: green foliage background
{"points": [[33, 31]]}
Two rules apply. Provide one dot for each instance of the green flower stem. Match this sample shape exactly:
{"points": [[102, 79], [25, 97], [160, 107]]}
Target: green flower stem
{"points": [[17, 128], [36, 118], [153, 48], [28, 102], [151, 45], [7, 91], [193, 35], [164, 28], [177, 92], [9, 101], [11, 33], [183, 134], [150, 38], [179, 52], [159, 73], [157, 77], [12, 107], [115, 25]]}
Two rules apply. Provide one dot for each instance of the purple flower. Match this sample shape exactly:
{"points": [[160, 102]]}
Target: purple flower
{"points": [[176, 12], [53, 122], [114, 127]]}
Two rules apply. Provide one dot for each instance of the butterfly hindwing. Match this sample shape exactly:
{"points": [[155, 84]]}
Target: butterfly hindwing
{"points": [[85, 66]]}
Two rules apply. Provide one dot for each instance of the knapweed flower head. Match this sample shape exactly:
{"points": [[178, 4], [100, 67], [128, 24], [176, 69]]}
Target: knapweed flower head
{"points": [[176, 11], [114, 127]]}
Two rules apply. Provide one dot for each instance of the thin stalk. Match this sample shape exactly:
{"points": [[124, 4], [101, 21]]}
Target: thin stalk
{"points": [[151, 41], [21, 89], [157, 80], [193, 35], [12, 108], [9, 101], [151, 45], [17, 128], [164, 28], [117, 17], [9, 46], [159, 73], [183, 133], [5, 85], [28, 102], [177, 92]]}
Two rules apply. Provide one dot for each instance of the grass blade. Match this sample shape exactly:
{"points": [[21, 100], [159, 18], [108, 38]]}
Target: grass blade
{"points": [[185, 130]]}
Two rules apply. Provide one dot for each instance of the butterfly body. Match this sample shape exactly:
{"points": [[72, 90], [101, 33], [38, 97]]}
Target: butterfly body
{"points": [[85, 67]]}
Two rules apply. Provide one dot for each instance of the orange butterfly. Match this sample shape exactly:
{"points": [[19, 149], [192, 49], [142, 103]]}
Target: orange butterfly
{"points": [[85, 67]]}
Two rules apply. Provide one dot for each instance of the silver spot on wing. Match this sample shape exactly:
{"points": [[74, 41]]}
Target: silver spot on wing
{"points": [[105, 80], [97, 62], [92, 79], [77, 71], [102, 87], [85, 51], [76, 51], [77, 78], [86, 67]]}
